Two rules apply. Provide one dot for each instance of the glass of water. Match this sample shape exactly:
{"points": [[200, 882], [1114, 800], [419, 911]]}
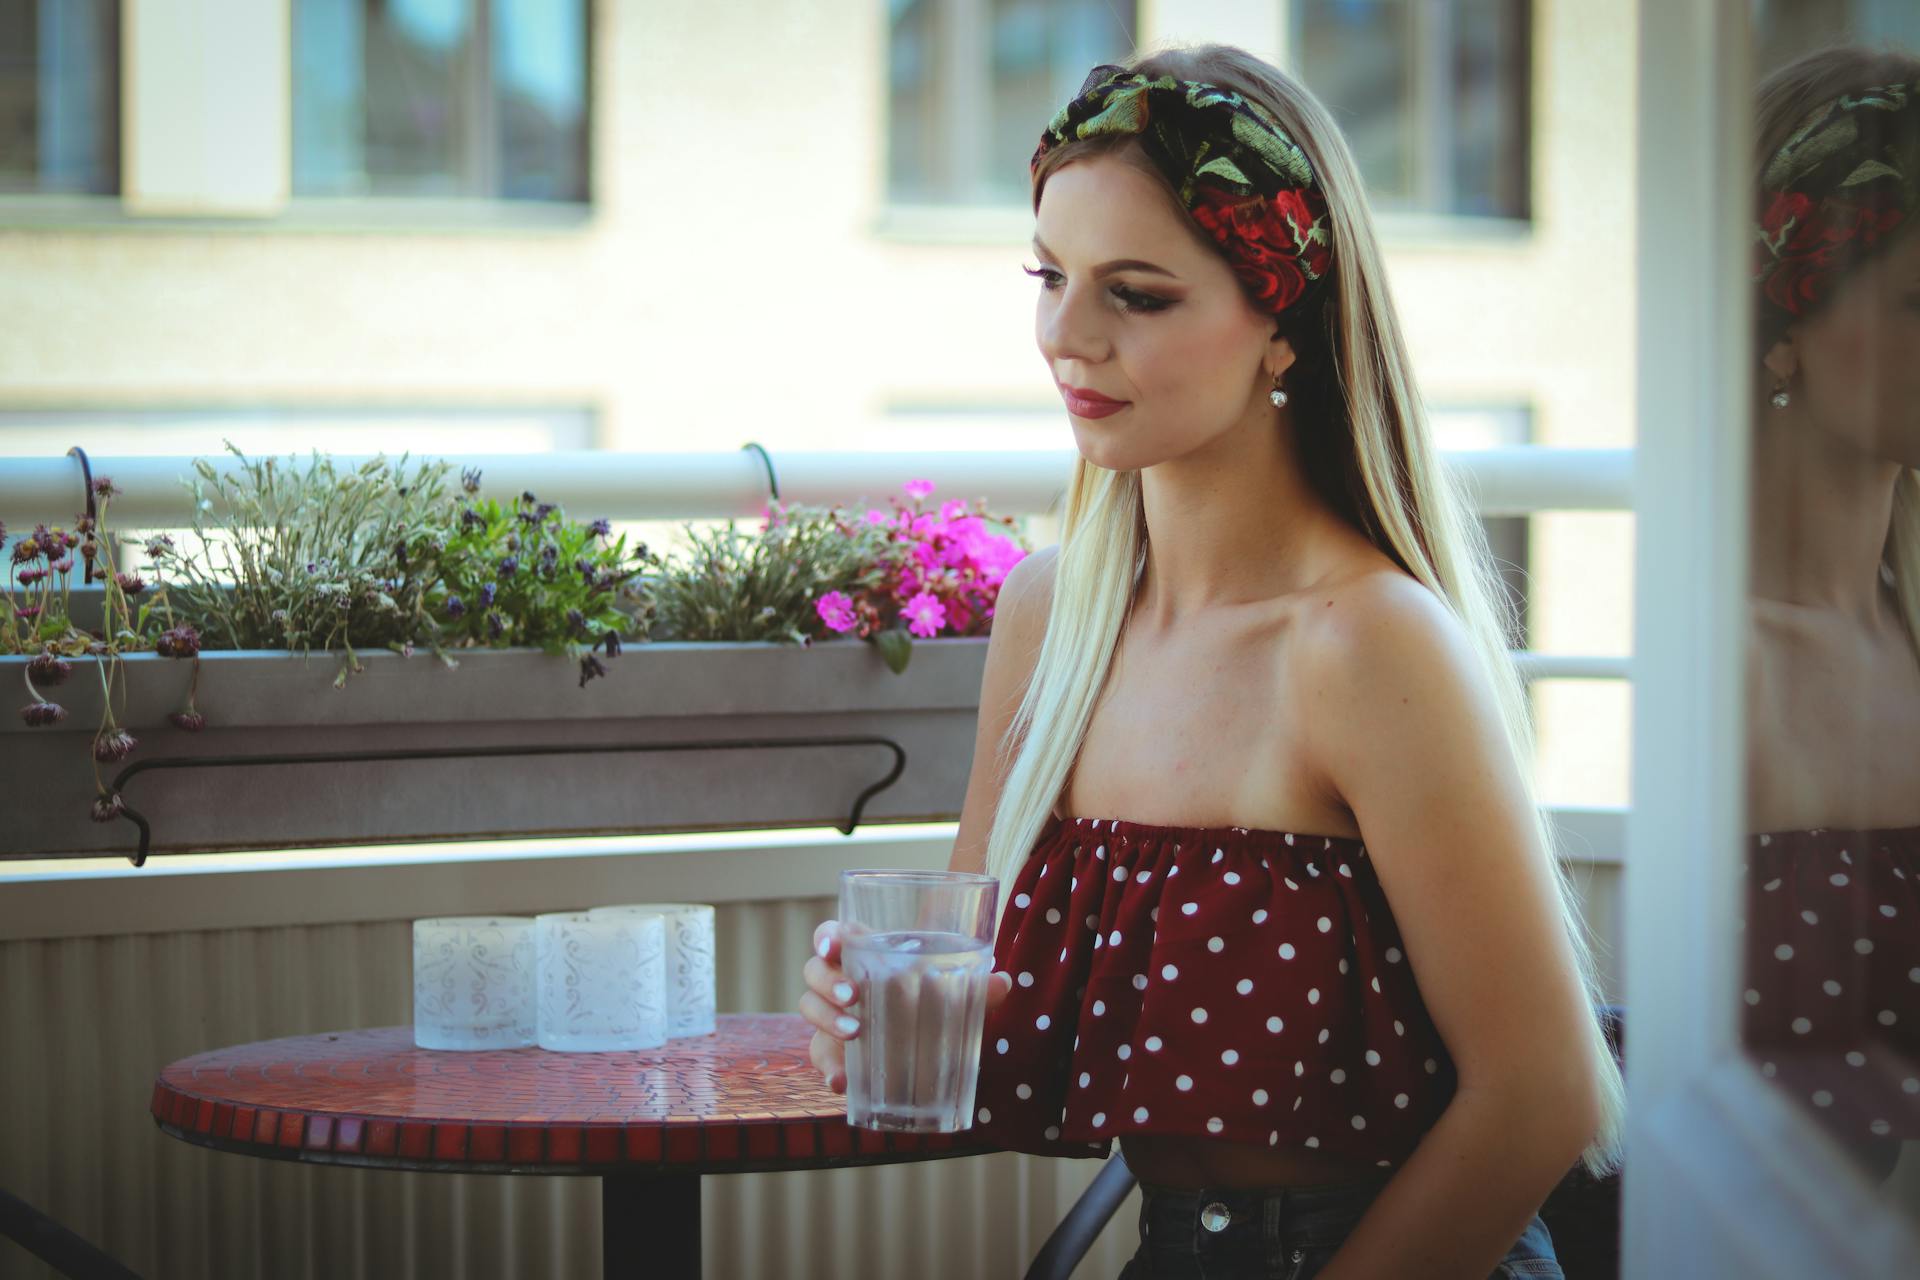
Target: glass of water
{"points": [[918, 948]]}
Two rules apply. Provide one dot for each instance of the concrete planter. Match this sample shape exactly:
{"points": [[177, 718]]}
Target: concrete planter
{"points": [[496, 747]]}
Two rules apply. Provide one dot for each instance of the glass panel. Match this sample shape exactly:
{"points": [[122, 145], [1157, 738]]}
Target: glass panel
{"points": [[60, 96], [1041, 53], [540, 98], [913, 108], [1358, 57], [1492, 72], [416, 54], [1831, 987]]}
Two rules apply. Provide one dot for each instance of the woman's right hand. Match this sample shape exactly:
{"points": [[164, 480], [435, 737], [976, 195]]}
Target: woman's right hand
{"points": [[829, 997]]}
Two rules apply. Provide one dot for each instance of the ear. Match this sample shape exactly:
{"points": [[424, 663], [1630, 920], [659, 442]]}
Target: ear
{"points": [[1783, 358], [1280, 357]]}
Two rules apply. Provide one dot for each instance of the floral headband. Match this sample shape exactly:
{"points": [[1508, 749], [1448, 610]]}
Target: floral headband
{"points": [[1248, 185], [1843, 182]]}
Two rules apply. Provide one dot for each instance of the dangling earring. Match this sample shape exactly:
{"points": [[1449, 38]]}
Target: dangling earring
{"points": [[1277, 395], [1780, 397]]}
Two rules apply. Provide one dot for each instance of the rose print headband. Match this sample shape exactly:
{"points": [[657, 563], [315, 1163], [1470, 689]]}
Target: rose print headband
{"points": [[1843, 182], [1248, 185]]}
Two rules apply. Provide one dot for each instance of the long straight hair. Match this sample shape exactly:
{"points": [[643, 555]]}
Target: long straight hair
{"points": [[1369, 455], [1784, 100]]}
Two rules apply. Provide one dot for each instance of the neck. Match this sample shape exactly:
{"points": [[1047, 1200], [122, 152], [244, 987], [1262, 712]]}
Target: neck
{"points": [[1819, 518], [1233, 522]]}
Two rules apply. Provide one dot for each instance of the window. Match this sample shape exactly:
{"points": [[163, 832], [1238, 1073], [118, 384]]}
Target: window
{"points": [[60, 96], [1433, 95], [972, 82], [441, 98]]}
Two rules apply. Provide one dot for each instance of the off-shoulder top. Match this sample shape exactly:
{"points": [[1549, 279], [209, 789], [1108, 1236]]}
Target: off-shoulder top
{"points": [[1832, 986], [1232, 983]]}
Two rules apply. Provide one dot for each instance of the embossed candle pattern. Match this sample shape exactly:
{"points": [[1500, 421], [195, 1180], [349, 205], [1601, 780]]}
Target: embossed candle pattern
{"points": [[473, 982], [691, 984], [602, 981]]}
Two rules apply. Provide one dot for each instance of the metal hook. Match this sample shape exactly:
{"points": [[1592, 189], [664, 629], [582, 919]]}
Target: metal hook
{"points": [[766, 460]]}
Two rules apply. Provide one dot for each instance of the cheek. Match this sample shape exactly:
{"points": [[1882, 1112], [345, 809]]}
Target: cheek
{"points": [[1188, 356]]}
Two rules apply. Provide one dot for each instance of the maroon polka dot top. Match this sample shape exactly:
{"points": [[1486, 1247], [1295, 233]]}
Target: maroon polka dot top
{"points": [[1217, 982]]}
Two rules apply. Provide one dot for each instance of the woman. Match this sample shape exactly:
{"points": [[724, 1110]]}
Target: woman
{"points": [[1833, 903], [1269, 615]]}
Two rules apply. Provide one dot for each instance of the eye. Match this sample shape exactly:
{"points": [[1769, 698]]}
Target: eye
{"points": [[1048, 277], [1134, 300]]}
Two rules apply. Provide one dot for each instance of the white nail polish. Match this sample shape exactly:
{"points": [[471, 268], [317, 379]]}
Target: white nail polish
{"points": [[847, 1025], [843, 992]]}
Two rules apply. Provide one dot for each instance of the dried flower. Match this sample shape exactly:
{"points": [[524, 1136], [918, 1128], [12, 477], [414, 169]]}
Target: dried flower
{"points": [[104, 487], [528, 498], [111, 748], [589, 668], [178, 642], [26, 550], [496, 625], [42, 713], [63, 565], [131, 583], [577, 622], [108, 807], [470, 479], [159, 547], [83, 524], [49, 669], [612, 641], [190, 721]]}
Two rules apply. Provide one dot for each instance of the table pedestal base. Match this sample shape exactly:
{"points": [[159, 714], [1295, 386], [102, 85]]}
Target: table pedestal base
{"points": [[650, 1226]]}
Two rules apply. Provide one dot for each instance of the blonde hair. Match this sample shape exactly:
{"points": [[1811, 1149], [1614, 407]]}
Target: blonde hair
{"points": [[1782, 103], [1382, 473]]}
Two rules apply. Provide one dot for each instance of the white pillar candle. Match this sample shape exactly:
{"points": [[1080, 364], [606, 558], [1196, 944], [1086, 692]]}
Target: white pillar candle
{"points": [[473, 980], [691, 996], [602, 981]]}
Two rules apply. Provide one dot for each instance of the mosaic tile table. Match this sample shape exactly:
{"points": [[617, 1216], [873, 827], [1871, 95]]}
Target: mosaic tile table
{"points": [[648, 1123]]}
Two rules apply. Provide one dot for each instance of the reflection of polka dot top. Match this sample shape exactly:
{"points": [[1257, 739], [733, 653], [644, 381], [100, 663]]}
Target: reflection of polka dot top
{"points": [[1832, 986], [1224, 982]]}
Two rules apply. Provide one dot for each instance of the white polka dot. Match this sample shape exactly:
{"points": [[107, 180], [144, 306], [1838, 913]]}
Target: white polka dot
{"points": [[1400, 1101], [1288, 880], [1783, 952], [1043, 1022], [1338, 1076], [1821, 1098], [1183, 1083], [1399, 1027], [1311, 1142], [1259, 1097], [1864, 946], [1831, 987], [986, 1116], [1154, 1043], [1000, 1045], [1215, 1124], [1260, 916], [1770, 886], [1022, 900], [1101, 853], [1229, 1056], [1025, 979], [1325, 925], [1855, 1058], [1125, 1051], [1297, 1102], [1099, 1007], [1216, 945], [1753, 997], [1885, 1017], [1169, 972], [1313, 995], [1188, 908], [1838, 879], [1393, 955], [1113, 939], [1810, 917], [1139, 982], [1023, 1091], [1219, 854], [1801, 1026], [1373, 1059], [1243, 986], [1155, 914], [1881, 1128], [1359, 1122], [1099, 1118], [1063, 955], [1343, 964], [1286, 951], [1324, 1034], [1141, 877], [1098, 940], [1173, 871], [1073, 884], [1375, 984], [1299, 1069], [1139, 1115], [1051, 1132], [1431, 1066], [1910, 1085], [1886, 909], [1232, 877], [1199, 1015], [1053, 915], [1273, 1139], [1085, 1079], [1767, 1069], [1119, 873], [1274, 1024]]}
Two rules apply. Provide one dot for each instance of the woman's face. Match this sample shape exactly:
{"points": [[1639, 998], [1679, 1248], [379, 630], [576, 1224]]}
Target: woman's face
{"points": [[1134, 307], [1854, 366]]}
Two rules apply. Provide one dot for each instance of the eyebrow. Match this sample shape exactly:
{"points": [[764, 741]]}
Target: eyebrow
{"points": [[1118, 264]]}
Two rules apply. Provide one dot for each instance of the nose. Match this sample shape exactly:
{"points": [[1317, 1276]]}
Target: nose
{"points": [[1069, 328]]}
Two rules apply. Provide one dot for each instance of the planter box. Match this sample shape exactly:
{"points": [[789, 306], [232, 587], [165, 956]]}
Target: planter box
{"points": [[267, 703]]}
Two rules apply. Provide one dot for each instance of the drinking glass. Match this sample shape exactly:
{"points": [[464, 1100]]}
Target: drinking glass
{"points": [[918, 948]]}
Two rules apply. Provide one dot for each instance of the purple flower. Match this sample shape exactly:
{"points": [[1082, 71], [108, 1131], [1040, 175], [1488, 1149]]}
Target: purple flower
{"points": [[549, 556], [27, 612], [49, 669], [111, 748], [470, 479], [108, 807], [159, 547], [509, 566], [612, 640], [917, 489], [836, 610], [103, 487], [496, 625], [190, 721], [131, 583], [541, 512], [455, 606], [178, 642], [577, 623], [487, 590], [925, 614], [26, 550], [30, 576], [601, 528], [63, 565], [471, 519], [40, 714]]}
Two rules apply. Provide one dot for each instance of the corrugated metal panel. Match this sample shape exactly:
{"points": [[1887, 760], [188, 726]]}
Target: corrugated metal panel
{"points": [[85, 1022]]}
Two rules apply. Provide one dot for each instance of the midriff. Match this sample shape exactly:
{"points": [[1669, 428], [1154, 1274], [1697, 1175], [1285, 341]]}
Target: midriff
{"points": [[1200, 1162]]}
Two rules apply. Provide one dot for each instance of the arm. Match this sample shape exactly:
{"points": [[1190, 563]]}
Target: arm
{"points": [[1404, 730]]}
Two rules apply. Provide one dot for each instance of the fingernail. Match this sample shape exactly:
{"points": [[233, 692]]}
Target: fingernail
{"points": [[843, 992], [826, 941], [847, 1025]]}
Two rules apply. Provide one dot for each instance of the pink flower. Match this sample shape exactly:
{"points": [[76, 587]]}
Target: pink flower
{"points": [[876, 516], [917, 489], [925, 614], [836, 610], [953, 509]]}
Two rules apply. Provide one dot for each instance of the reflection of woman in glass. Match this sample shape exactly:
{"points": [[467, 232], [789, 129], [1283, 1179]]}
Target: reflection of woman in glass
{"points": [[1833, 961], [1366, 1050]]}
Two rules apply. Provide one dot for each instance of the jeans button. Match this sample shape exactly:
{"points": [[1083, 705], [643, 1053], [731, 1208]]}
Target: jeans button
{"points": [[1215, 1217]]}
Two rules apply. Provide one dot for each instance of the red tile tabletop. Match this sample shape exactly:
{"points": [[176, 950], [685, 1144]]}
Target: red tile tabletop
{"points": [[744, 1099]]}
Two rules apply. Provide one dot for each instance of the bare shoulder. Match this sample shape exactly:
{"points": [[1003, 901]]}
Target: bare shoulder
{"points": [[1028, 586], [1378, 622]]}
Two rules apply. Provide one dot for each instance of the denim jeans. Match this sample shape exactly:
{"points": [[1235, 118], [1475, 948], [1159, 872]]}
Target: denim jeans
{"points": [[1287, 1233]]}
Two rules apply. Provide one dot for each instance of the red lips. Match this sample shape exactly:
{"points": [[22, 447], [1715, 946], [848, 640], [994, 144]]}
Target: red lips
{"points": [[1085, 403]]}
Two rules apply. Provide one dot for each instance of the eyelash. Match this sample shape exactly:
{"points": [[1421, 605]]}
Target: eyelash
{"points": [[1132, 301]]}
